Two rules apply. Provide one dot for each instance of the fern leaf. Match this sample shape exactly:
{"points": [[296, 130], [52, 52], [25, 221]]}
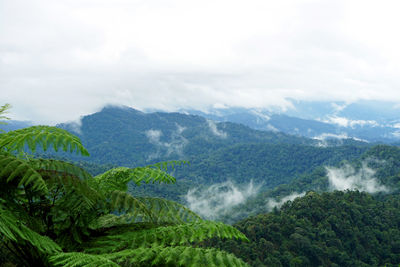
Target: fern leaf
{"points": [[169, 211], [118, 178], [124, 202], [175, 256], [3, 110], [42, 136], [12, 229], [176, 235], [152, 256], [59, 167], [75, 259], [13, 168]]}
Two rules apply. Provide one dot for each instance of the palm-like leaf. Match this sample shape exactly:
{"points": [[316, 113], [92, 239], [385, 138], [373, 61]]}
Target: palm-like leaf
{"points": [[14, 230], [14, 169], [3, 110], [118, 178], [153, 256], [129, 237], [42, 136]]}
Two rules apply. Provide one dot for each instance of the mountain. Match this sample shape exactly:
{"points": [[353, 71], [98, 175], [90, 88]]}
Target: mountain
{"points": [[218, 152], [371, 121], [125, 136]]}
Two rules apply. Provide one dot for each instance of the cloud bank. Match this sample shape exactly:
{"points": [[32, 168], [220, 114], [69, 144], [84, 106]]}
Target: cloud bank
{"points": [[72, 57], [176, 144], [323, 138], [272, 203], [218, 199], [213, 128], [348, 178]]}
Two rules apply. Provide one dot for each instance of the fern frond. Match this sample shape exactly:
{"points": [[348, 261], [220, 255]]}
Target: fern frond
{"points": [[124, 202], [151, 175], [3, 109], [75, 259], [42, 136], [118, 178], [14, 230], [176, 235], [152, 256], [14, 169], [157, 210], [52, 167], [111, 220], [169, 211]]}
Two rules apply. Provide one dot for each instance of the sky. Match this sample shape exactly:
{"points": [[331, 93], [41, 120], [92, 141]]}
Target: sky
{"points": [[63, 59]]}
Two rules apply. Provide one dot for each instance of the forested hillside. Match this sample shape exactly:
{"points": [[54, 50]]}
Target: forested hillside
{"points": [[124, 136], [329, 229], [217, 151], [376, 171]]}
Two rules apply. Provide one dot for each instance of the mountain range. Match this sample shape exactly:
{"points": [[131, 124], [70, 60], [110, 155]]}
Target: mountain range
{"points": [[369, 121]]}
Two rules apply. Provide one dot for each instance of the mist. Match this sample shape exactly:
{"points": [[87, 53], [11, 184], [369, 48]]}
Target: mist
{"points": [[218, 199], [213, 127], [348, 178], [176, 145], [277, 203]]}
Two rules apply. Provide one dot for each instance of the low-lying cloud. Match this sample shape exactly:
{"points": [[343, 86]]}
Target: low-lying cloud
{"points": [[176, 144], [344, 122], [348, 178], [213, 127], [322, 138], [272, 203], [218, 199]]}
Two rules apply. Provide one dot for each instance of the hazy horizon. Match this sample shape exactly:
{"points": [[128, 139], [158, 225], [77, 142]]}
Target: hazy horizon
{"points": [[62, 59]]}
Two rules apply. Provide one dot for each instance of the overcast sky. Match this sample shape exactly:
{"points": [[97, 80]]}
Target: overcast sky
{"points": [[63, 59]]}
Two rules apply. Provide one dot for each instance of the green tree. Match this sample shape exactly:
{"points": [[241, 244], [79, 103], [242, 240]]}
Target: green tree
{"points": [[55, 213]]}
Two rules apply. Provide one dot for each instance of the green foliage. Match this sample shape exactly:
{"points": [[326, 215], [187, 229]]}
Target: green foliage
{"points": [[329, 229], [20, 172], [42, 136], [152, 256], [3, 110], [55, 213]]}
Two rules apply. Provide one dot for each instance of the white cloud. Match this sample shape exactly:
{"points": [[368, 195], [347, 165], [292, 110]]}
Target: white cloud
{"points": [[75, 126], [326, 136], [272, 203], [344, 122], [270, 127], [348, 178], [218, 199], [154, 136], [213, 128], [176, 144], [72, 57]]}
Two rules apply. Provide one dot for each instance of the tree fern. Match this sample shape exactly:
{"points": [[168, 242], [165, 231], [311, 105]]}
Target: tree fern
{"points": [[152, 256], [48, 205], [3, 110], [129, 237], [14, 230], [16, 170], [42, 136]]}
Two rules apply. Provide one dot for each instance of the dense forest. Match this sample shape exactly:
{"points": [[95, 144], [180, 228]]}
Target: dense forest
{"points": [[330, 204], [330, 229]]}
